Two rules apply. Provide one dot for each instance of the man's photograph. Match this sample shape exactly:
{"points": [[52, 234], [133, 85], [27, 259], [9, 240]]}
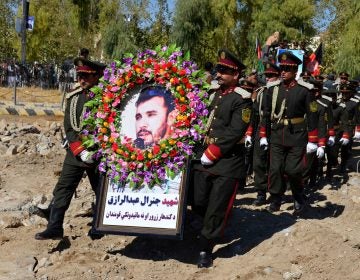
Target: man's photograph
{"points": [[152, 110]]}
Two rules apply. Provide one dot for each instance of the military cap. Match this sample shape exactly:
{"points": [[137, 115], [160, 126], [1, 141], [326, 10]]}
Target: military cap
{"points": [[344, 75], [305, 74], [229, 60], [271, 68], [318, 85], [246, 84], [84, 65], [354, 83], [289, 59], [319, 78], [330, 92]]}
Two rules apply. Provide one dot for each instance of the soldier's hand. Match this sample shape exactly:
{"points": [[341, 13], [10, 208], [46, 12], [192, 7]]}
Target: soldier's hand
{"points": [[320, 152], [86, 157], [264, 143], [205, 161], [248, 141], [331, 141], [311, 147], [344, 141]]}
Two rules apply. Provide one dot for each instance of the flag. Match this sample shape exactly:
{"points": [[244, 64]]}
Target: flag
{"points": [[315, 60], [258, 48]]}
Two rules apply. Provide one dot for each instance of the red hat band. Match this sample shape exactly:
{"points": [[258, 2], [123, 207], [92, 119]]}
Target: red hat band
{"points": [[227, 63], [85, 69]]}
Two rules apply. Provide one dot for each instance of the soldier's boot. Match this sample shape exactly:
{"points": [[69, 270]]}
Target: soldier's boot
{"points": [[275, 203], [205, 256], [43, 212], [299, 202], [260, 199], [54, 229]]}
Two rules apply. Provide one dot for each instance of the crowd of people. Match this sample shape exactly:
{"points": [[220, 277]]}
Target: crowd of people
{"points": [[288, 133]]}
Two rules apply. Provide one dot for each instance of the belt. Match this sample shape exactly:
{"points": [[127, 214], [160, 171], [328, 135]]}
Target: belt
{"points": [[212, 140], [336, 126], [292, 121]]}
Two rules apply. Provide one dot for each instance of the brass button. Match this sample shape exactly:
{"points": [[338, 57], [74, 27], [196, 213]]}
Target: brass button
{"points": [[216, 107], [211, 129]]}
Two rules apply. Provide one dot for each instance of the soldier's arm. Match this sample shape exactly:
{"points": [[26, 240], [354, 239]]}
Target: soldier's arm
{"points": [[312, 117]]}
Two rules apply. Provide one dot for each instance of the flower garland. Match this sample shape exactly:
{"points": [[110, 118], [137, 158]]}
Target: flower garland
{"points": [[120, 158]]}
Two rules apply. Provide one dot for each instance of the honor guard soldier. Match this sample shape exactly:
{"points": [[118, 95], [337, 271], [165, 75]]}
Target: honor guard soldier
{"points": [[339, 136], [305, 76], [261, 156], [286, 105], [314, 161], [222, 160], [352, 107], [77, 160]]}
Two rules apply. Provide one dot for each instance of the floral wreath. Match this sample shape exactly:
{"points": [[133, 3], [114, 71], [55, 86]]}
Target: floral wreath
{"points": [[119, 158]]}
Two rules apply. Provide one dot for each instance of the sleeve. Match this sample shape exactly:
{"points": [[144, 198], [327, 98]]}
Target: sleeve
{"points": [[344, 120], [254, 120], [330, 121], [234, 132], [72, 136], [266, 107], [312, 117], [322, 127]]}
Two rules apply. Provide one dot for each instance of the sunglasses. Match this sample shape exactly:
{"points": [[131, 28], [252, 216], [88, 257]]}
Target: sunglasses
{"points": [[224, 70], [288, 68], [84, 75]]}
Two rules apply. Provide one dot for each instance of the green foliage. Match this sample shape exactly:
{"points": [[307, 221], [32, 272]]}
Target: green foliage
{"points": [[7, 29]]}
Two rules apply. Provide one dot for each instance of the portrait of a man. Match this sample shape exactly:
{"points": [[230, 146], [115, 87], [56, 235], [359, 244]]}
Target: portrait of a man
{"points": [[155, 113]]}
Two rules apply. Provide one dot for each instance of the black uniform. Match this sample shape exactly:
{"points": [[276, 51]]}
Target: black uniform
{"points": [[285, 109], [215, 185]]}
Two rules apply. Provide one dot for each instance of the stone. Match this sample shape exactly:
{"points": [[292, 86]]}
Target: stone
{"points": [[12, 150]]}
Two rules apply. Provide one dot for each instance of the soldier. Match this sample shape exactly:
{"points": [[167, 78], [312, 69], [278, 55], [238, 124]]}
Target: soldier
{"points": [[305, 76], [260, 157], [287, 103], [78, 160], [353, 109], [339, 136], [314, 162], [222, 162]]}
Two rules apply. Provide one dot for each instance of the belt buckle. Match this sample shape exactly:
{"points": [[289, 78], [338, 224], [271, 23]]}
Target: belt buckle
{"points": [[286, 122]]}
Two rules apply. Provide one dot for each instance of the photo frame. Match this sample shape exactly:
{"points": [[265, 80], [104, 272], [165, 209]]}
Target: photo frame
{"points": [[159, 211]]}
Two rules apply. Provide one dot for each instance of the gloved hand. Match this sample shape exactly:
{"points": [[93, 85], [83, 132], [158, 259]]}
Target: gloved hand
{"points": [[205, 161], [264, 143], [357, 135], [311, 148], [344, 141], [331, 141], [86, 157], [248, 141], [320, 152]]}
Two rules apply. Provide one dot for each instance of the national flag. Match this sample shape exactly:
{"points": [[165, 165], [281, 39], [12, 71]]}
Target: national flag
{"points": [[258, 48], [315, 60]]}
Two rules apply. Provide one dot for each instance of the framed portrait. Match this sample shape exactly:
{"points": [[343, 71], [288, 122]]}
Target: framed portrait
{"points": [[159, 211]]}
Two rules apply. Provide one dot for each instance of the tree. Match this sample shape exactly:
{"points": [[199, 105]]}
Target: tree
{"points": [[7, 29]]}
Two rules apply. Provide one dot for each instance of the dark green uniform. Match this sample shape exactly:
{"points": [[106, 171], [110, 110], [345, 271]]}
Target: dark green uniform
{"points": [[73, 168], [285, 108], [215, 185]]}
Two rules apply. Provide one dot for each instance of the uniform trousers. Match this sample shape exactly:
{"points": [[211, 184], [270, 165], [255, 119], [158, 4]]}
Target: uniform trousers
{"points": [[213, 199], [69, 180], [287, 162], [260, 166]]}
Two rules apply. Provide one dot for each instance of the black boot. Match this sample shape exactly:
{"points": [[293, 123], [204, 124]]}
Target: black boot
{"points": [[42, 212], [275, 203], [299, 203], [54, 228], [205, 256], [260, 199]]}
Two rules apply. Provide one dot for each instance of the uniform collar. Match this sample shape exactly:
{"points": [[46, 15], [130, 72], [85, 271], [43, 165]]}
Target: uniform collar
{"points": [[227, 91], [291, 85]]}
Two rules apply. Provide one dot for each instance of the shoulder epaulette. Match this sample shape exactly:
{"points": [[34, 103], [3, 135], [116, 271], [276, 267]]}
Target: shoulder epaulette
{"points": [[244, 94], [342, 105], [321, 103], [326, 97], [272, 84], [214, 84], [71, 93], [354, 99], [305, 84]]}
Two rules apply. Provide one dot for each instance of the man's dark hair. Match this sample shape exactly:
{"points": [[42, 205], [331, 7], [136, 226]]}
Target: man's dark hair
{"points": [[208, 66], [84, 52], [151, 91]]}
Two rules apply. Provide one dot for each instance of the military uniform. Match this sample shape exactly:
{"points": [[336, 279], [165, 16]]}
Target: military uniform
{"points": [[223, 162], [77, 159], [285, 108]]}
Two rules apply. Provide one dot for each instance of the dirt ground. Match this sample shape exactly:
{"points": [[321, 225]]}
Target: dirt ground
{"points": [[323, 244]]}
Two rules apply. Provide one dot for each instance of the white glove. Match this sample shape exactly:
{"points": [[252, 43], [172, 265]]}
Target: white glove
{"points": [[344, 141], [86, 156], [264, 143], [205, 161], [331, 141], [356, 136], [320, 152], [311, 148], [248, 141]]}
